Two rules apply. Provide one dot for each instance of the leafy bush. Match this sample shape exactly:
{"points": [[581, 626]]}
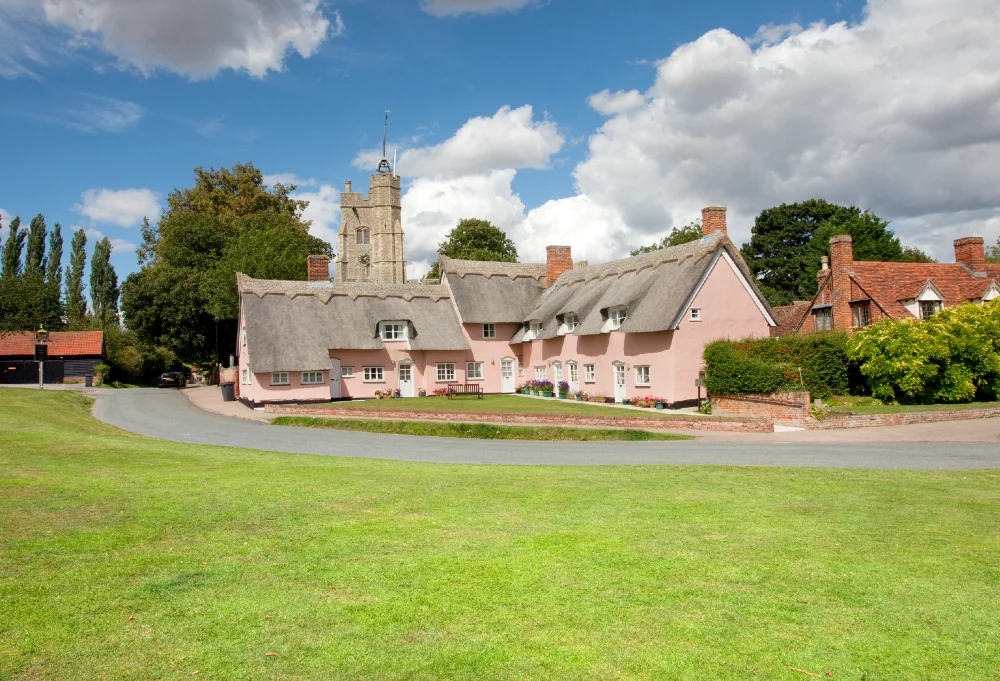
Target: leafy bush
{"points": [[952, 357], [731, 371]]}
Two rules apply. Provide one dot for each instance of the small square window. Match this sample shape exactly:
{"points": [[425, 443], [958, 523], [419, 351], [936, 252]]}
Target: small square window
{"points": [[642, 375], [589, 374], [363, 237], [445, 372], [823, 319], [695, 314], [245, 377], [473, 371], [279, 378], [929, 308], [489, 331], [536, 328], [393, 331], [860, 315], [347, 372], [617, 317], [312, 377], [373, 375], [540, 373]]}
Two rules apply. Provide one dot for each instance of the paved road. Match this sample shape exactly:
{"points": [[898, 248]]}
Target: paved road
{"points": [[168, 415]]}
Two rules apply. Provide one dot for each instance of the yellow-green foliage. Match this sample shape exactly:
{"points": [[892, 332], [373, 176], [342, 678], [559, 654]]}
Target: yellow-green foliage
{"points": [[952, 357]]}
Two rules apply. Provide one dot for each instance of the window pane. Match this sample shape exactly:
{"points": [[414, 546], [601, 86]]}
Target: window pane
{"points": [[474, 370]]}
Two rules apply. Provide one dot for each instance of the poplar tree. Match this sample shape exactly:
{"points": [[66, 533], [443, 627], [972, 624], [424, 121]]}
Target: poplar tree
{"points": [[76, 304], [34, 263], [54, 270], [103, 284], [13, 249]]}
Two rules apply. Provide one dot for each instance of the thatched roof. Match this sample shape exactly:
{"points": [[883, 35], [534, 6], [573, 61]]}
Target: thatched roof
{"points": [[294, 325], [655, 288], [493, 292]]}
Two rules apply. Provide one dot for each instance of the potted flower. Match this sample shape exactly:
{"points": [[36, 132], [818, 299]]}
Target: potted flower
{"points": [[563, 389], [421, 393], [397, 393], [580, 396], [659, 402], [440, 392], [545, 388]]}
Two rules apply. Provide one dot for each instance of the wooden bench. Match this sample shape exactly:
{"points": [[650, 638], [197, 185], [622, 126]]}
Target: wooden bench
{"points": [[466, 389]]}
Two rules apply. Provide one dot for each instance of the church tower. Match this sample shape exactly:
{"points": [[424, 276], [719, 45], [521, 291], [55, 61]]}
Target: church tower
{"points": [[371, 230]]}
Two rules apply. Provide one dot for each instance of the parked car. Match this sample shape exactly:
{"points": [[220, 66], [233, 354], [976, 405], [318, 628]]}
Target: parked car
{"points": [[172, 379]]}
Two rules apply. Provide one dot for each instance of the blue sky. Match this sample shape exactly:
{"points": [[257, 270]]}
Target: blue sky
{"points": [[98, 101]]}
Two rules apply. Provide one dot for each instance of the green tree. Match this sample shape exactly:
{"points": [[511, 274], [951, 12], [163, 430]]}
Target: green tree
{"points": [[788, 240], [914, 254], [993, 254], [54, 270], [34, 262], [146, 253], [475, 239], [103, 285], [76, 303], [677, 236], [13, 249]]}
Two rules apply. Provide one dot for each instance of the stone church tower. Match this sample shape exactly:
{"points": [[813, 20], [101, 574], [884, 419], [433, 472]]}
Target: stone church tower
{"points": [[371, 230]]}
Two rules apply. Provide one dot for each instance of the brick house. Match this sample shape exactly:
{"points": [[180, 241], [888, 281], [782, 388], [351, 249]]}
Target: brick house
{"points": [[853, 294]]}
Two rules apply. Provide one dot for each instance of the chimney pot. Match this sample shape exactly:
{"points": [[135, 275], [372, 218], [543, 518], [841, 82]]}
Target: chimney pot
{"points": [[347, 187], [713, 219], [824, 263], [558, 259], [318, 268], [971, 252]]}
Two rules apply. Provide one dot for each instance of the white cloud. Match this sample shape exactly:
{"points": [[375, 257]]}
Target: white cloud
{"points": [[511, 138], [287, 179], [450, 8], [323, 211], [117, 245], [125, 207], [195, 38], [94, 113], [608, 103]]}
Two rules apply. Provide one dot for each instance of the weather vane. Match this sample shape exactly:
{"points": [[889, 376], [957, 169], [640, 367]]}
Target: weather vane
{"points": [[383, 165]]}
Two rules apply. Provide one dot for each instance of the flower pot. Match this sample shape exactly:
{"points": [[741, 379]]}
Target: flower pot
{"points": [[422, 393], [547, 393], [579, 399], [609, 400], [661, 405], [563, 396]]}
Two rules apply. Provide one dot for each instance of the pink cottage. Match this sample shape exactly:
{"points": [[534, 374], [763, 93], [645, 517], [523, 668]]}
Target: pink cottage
{"points": [[622, 329]]}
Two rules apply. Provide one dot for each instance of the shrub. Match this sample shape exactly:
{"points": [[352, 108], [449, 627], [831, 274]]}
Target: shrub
{"points": [[730, 371], [952, 357]]}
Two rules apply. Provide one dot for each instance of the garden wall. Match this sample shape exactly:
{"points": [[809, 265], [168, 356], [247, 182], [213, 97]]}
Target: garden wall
{"points": [[787, 406]]}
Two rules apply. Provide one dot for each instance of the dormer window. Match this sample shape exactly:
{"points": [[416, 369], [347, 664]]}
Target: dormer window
{"points": [[929, 307], [363, 236], [616, 316], [569, 323], [393, 331]]}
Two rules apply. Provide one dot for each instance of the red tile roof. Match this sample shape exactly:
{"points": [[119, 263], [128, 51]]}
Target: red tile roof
{"points": [[789, 317], [890, 282], [61, 343]]}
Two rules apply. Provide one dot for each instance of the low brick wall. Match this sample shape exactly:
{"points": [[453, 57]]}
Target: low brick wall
{"points": [[906, 418], [738, 424], [777, 406]]}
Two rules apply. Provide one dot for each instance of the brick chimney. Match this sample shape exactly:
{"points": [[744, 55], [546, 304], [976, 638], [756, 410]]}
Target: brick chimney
{"points": [[841, 250], [824, 268], [558, 259], [971, 252], [318, 268], [841, 260], [713, 219]]}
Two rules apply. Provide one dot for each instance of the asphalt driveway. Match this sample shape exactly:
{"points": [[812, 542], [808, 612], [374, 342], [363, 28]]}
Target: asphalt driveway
{"points": [[167, 414]]}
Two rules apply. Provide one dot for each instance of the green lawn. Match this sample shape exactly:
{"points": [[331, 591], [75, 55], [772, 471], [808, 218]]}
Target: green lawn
{"points": [[479, 431], [506, 404], [849, 404], [123, 557]]}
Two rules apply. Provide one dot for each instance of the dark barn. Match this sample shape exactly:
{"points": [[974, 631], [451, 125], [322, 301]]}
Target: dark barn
{"points": [[72, 356]]}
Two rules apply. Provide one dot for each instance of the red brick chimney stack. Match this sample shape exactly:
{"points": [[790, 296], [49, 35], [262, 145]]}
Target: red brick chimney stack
{"points": [[318, 268], [713, 219], [971, 252], [558, 259], [841, 259], [841, 250]]}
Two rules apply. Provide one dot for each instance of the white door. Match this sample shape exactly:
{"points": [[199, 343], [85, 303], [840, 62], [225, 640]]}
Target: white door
{"points": [[406, 380], [507, 375], [619, 382], [574, 376], [559, 374], [335, 379]]}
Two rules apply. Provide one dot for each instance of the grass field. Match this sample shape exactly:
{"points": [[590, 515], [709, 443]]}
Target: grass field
{"points": [[479, 431], [866, 405], [123, 557], [507, 404]]}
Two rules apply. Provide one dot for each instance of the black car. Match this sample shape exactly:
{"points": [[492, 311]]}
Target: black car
{"points": [[172, 379]]}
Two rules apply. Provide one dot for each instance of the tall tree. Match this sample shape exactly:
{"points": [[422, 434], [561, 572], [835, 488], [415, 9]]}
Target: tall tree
{"points": [[76, 304], [227, 195], [476, 239], [993, 254], [103, 284], [788, 240], [914, 254], [146, 253], [677, 236], [13, 249], [54, 270], [34, 262]]}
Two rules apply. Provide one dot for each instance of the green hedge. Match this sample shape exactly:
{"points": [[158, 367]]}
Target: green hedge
{"points": [[762, 365]]}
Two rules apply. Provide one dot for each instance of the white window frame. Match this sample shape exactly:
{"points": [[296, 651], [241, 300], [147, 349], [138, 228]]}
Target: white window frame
{"points": [[279, 378], [347, 372], [574, 372], [363, 236], [541, 373], [313, 378], [589, 373], [245, 377], [393, 331], [469, 366], [696, 314], [642, 375], [616, 317], [569, 324], [520, 366], [443, 369], [489, 331], [373, 374], [935, 304]]}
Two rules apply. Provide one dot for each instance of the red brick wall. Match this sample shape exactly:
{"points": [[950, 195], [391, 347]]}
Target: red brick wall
{"points": [[971, 252], [713, 219], [318, 268], [906, 418], [778, 406], [558, 259]]}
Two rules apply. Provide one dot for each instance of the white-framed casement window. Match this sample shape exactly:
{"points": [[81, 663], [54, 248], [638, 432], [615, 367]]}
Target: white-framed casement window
{"points": [[374, 375], [569, 324], [642, 375], [279, 378], [312, 378], [489, 331], [347, 372], [363, 236], [589, 373], [695, 314], [393, 331], [574, 373], [245, 377], [473, 371], [617, 316], [445, 372], [929, 308], [520, 365], [540, 373]]}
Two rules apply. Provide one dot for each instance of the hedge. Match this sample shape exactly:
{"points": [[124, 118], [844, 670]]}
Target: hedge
{"points": [[766, 365]]}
